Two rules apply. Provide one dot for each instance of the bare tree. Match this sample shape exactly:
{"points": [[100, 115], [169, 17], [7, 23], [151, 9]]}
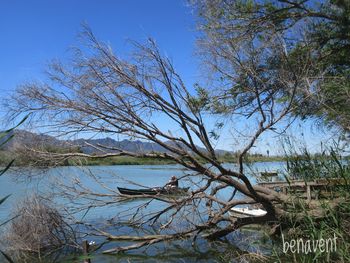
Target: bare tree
{"points": [[99, 92]]}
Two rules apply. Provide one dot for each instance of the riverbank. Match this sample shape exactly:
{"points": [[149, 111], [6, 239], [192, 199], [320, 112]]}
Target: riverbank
{"points": [[25, 160]]}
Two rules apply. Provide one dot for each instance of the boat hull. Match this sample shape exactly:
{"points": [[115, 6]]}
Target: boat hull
{"points": [[245, 212]]}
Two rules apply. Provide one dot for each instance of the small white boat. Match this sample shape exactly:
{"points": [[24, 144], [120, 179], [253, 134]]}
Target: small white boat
{"points": [[242, 212]]}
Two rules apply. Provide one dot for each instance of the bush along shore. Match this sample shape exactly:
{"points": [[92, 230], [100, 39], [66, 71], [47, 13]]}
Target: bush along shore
{"points": [[32, 160]]}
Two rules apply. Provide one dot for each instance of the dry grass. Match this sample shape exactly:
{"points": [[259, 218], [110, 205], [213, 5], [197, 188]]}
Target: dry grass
{"points": [[38, 232]]}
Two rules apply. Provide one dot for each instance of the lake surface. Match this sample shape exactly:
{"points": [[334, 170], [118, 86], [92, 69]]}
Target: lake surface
{"points": [[105, 179]]}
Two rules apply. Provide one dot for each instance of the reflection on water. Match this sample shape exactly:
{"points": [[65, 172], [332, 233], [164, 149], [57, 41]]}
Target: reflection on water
{"points": [[113, 215], [234, 249]]}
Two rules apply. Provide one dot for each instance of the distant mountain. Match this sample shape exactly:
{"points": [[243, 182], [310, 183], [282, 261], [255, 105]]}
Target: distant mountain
{"points": [[22, 137]]}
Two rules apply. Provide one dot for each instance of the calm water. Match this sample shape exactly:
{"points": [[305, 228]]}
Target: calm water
{"points": [[17, 184]]}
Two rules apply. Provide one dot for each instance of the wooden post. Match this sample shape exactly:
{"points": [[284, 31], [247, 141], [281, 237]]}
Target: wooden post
{"points": [[86, 247], [284, 190], [308, 193]]}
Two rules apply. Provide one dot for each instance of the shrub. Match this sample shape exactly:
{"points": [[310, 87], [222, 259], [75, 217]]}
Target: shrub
{"points": [[39, 230]]}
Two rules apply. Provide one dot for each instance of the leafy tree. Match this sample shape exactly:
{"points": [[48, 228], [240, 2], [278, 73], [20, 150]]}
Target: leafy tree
{"points": [[316, 40]]}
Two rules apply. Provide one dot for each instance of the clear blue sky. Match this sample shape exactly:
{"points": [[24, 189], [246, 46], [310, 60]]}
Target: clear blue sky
{"points": [[36, 31], [33, 32]]}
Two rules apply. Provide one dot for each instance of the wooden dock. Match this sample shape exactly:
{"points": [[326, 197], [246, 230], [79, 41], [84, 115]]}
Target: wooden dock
{"points": [[317, 188], [269, 174]]}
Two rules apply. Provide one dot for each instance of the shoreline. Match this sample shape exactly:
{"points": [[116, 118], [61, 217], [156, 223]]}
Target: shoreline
{"points": [[132, 162], [31, 161]]}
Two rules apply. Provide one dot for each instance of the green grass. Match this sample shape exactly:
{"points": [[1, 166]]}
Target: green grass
{"points": [[24, 160], [121, 160], [336, 219]]}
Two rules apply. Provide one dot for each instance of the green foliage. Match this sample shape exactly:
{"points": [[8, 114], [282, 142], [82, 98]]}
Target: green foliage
{"points": [[4, 199], [335, 224], [122, 160], [316, 43], [330, 163], [200, 101], [331, 39], [324, 165], [336, 214], [24, 158], [4, 134], [7, 257], [4, 138], [6, 168]]}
